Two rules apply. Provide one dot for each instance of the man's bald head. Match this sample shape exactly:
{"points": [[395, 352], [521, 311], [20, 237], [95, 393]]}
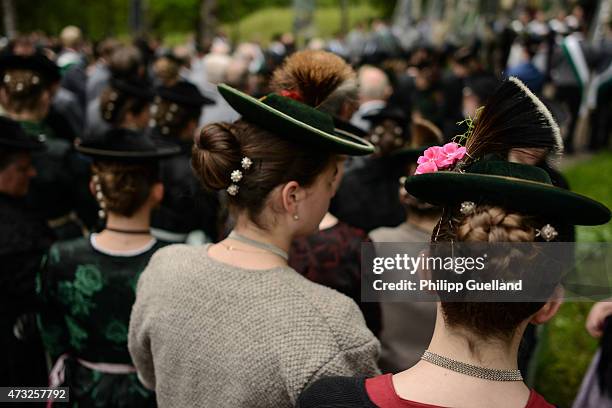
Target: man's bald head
{"points": [[373, 84]]}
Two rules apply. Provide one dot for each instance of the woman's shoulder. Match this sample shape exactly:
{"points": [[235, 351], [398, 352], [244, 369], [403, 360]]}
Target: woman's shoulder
{"points": [[71, 250], [336, 392], [340, 313]]}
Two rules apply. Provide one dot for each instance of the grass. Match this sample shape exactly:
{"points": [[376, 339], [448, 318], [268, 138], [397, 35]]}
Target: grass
{"points": [[263, 24], [565, 348]]}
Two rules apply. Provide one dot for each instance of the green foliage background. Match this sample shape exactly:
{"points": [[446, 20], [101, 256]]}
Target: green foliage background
{"points": [[565, 348], [99, 19]]}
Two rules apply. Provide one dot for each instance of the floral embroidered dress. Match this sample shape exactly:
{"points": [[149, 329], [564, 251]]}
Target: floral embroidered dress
{"points": [[87, 296]]}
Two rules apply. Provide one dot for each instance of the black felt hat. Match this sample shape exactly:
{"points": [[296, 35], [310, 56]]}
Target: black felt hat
{"points": [[36, 62], [127, 145], [14, 137], [289, 118], [134, 87], [184, 93], [388, 112]]}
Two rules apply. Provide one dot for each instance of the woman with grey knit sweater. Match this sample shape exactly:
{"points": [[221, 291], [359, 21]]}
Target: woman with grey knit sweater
{"points": [[230, 324]]}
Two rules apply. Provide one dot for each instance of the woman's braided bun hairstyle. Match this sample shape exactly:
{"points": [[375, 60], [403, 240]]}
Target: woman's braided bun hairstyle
{"points": [[125, 187], [512, 118]]}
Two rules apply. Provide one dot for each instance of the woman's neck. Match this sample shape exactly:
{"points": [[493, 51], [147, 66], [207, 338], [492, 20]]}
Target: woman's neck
{"points": [[464, 346], [274, 237], [431, 384], [112, 238], [241, 254]]}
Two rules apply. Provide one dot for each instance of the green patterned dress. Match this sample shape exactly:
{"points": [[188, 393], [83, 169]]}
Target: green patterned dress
{"points": [[87, 296]]}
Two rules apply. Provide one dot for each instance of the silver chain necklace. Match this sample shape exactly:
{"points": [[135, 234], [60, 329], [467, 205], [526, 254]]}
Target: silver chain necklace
{"points": [[471, 370], [261, 245]]}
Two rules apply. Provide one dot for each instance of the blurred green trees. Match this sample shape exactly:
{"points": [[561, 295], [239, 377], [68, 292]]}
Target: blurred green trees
{"points": [[110, 17]]}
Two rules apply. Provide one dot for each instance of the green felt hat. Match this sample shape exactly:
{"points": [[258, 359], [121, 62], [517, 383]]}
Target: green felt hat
{"points": [[521, 187], [289, 118]]}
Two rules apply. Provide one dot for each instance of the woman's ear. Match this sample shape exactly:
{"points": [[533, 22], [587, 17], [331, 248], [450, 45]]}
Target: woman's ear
{"points": [[291, 194], [92, 188], [550, 308], [157, 193]]}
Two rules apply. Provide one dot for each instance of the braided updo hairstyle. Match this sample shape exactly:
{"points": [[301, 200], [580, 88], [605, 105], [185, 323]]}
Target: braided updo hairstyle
{"points": [[491, 224], [220, 147], [23, 90], [123, 188], [171, 118], [115, 105]]}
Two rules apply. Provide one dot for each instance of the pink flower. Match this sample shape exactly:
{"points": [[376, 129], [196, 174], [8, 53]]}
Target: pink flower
{"points": [[433, 153], [426, 167], [453, 153], [439, 158]]}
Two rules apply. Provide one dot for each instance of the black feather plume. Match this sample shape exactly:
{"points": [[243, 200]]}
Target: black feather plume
{"points": [[513, 117]]}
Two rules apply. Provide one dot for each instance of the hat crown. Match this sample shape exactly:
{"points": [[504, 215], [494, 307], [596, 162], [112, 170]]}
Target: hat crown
{"points": [[127, 144], [301, 112], [508, 169]]}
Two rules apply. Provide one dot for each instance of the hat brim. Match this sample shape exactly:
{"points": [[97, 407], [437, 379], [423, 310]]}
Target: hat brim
{"points": [[23, 145], [162, 150], [257, 112], [530, 197]]}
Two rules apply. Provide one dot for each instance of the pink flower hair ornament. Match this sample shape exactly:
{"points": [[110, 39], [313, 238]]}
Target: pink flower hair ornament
{"points": [[438, 158]]}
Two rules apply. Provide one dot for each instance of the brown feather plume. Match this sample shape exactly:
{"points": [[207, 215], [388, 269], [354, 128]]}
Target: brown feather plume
{"points": [[513, 117], [314, 75]]}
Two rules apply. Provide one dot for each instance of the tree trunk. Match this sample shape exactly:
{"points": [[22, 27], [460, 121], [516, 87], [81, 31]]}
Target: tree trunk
{"points": [[208, 22], [10, 19], [344, 16], [136, 17]]}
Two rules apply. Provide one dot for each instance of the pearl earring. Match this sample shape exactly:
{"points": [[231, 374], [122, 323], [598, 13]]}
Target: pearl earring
{"points": [[296, 217]]}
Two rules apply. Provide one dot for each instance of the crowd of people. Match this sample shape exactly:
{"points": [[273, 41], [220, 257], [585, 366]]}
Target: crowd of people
{"points": [[182, 226]]}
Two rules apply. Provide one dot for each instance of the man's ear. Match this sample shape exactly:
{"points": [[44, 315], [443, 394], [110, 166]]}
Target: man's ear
{"points": [[549, 309]]}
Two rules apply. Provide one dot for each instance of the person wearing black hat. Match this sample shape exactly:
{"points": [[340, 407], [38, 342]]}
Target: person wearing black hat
{"points": [[24, 240], [123, 104], [376, 175], [187, 213], [472, 357], [231, 324], [403, 340], [26, 92], [87, 285], [167, 68]]}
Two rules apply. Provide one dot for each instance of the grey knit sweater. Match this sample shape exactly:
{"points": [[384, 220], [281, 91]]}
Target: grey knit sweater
{"points": [[206, 334]]}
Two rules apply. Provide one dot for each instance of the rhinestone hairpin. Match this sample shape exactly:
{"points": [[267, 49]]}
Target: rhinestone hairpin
{"points": [[467, 207], [548, 233], [246, 163], [232, 189], [99, 196], [237, 175]]}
